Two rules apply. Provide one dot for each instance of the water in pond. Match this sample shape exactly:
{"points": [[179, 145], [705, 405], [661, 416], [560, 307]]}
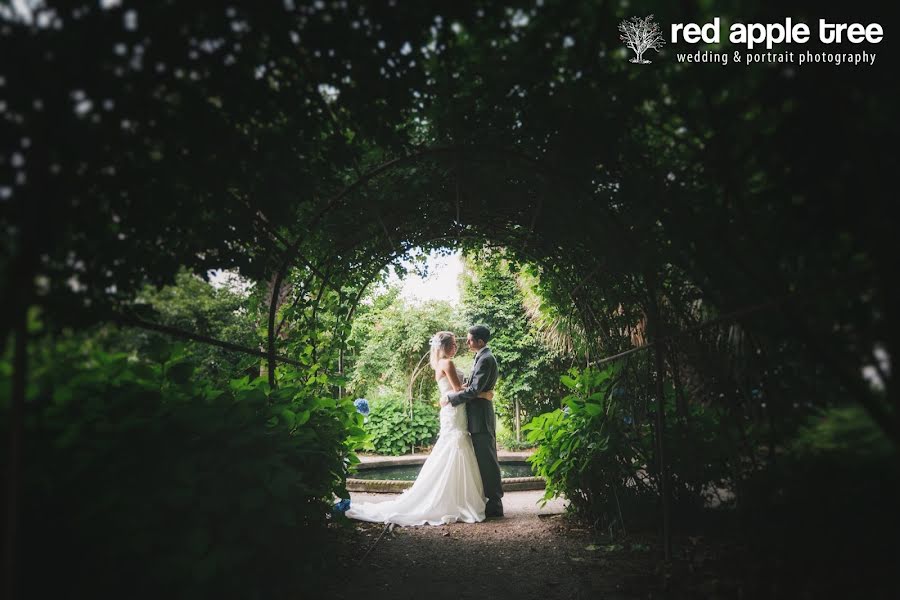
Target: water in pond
{"points": [[409, 472]]}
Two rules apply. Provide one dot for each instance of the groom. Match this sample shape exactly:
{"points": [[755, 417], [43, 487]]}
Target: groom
{"points": [[482, 422]]}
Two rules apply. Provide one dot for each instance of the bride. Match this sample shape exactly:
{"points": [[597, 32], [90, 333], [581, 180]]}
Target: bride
{"points": [[448, 488]]}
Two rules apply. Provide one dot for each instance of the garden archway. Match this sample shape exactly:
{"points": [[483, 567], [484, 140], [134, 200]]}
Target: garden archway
{"points": [[464, 200]]}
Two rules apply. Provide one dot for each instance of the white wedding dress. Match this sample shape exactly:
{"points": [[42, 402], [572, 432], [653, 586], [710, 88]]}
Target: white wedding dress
{"points": [[448, 488]]}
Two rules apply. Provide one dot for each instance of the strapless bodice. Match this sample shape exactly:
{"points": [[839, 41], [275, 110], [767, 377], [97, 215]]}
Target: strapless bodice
{"points": [[453, 418]]}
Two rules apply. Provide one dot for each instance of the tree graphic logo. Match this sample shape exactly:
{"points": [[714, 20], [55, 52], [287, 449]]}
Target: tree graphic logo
{"points": [[641, 35]]}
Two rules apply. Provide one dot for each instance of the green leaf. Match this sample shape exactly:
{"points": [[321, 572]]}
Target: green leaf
{"points": [[212, 394], [239, 384], [593, 409], [568, 382], [289, 417], [62, 395]]}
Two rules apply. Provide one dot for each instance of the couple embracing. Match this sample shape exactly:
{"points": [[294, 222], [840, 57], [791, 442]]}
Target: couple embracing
{"points": [[460, 480]]}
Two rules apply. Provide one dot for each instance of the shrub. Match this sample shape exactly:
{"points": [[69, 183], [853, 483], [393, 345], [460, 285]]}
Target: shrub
{"points": [[513, 446], [390, 429], [506, 438], [827, 506], [141, 480], [587, 452]]}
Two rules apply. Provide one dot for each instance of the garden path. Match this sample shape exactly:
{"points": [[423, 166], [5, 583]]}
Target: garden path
{"points": [[532, 552]]}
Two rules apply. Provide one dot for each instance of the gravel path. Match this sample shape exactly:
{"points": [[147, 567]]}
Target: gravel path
{"points": [[530, 553]]}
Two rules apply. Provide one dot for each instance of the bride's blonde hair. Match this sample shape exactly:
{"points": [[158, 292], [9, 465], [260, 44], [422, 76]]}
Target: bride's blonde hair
{"points": [[441, 342]]}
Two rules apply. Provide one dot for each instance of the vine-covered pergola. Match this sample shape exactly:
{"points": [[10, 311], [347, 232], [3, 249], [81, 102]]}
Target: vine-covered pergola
{"points": [[311, 146], [468, 197]]}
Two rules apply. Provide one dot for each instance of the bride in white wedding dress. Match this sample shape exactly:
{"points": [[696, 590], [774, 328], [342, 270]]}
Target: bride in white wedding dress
{"points": [[448, 488]]}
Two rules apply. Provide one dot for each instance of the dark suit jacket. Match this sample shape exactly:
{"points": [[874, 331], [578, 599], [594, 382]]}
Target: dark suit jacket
{"points": [[484, 377]]}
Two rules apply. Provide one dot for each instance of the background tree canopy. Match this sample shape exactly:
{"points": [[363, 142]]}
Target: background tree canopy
{"points": [[529, 366], [391, 337], [733, 217]]}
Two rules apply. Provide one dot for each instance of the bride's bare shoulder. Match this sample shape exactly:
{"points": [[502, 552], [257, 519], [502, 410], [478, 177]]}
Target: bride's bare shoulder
{"points": [[443, 365]]}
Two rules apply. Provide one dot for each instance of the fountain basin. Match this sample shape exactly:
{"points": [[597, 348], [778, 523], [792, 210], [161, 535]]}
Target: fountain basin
{"points": [[393, 474]]}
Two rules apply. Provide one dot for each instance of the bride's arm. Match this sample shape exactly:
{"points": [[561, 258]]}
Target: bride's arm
{"points": [[449, 370], [452, 376], [457, 385]]}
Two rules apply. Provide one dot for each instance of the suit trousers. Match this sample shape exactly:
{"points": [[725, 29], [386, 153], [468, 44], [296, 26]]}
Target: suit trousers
{"points": [[485, 444]]}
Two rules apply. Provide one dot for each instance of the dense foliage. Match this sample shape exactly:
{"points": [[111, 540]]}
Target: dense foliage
{"points": [[598, 450], [506, 438], [797, 511], [395, 426], [736, 214], [529, 367], [192, 304], [134, 461], [389, 345], [588, 452], [821, 513]]}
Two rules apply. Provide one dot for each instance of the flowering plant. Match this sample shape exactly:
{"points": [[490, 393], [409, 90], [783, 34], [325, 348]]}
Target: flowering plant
{"points": [[340, 507], [362, 406]]}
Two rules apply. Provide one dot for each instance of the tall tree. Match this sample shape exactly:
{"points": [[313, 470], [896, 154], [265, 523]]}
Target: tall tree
{"points": [[529, 367]]}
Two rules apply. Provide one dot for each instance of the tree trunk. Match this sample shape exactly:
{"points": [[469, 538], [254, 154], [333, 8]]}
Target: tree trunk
{"points": [[274, 293], [278, 292], [681, 403], [518, 422], [340, 389]]}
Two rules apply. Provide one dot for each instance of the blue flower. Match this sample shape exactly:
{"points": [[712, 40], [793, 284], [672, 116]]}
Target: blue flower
{"points": [[362, 406], [341, 507]]}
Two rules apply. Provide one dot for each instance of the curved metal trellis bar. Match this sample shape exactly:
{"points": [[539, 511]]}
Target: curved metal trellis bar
{"points": [[291, 251]]}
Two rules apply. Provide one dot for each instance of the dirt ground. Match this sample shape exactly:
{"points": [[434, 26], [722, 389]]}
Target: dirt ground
{"points": [[530, 553], [541, 553]]}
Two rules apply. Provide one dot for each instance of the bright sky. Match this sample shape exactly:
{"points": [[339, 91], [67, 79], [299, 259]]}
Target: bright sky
{"points": [[441, 283]]}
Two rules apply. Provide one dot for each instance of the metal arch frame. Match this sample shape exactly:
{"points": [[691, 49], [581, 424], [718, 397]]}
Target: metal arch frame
{"points": [[292, 250], [329, 270], [367, 279], [389, 258]]}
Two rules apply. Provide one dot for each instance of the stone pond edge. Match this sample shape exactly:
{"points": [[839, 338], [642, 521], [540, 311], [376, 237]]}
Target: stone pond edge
{"points": [[391, 486]]}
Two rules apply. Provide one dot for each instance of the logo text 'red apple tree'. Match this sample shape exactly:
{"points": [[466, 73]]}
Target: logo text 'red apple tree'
{"points": [[842, 42], [755, 34]]}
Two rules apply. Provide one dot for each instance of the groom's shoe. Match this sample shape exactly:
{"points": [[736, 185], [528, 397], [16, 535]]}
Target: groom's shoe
{"points": [[493, 509]]}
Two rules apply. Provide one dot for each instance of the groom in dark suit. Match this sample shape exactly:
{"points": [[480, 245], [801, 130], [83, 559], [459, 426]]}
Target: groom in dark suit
{"points": [[480, 412]]}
